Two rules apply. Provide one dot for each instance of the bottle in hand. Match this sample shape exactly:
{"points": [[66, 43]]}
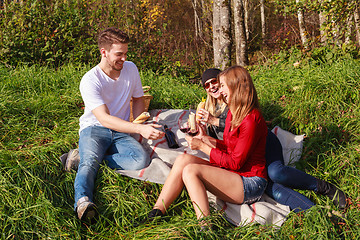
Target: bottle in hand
{"points": [[170, 138]]}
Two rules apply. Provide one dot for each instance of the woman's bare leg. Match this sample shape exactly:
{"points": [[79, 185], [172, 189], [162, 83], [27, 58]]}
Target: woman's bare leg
{"points": [[226, 185], [174, 182]]}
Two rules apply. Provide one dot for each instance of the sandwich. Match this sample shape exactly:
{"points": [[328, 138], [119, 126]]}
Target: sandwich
{"points": [[192, 122], [200, 105], [142, 117]]}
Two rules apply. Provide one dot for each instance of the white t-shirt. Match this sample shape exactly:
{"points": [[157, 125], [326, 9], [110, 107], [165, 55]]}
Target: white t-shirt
{"points": [[97, 89]]}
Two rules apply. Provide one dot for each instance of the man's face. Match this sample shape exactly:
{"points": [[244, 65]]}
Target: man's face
{"points": [[116, 56]]}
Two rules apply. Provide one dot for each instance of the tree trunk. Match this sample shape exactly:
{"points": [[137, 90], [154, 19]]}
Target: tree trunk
{"points": [[349, 28], [221, 33], [322, 20], [247, 19], [357, 24], [303, 33], [336, 32], [263, 23], [240, 34], [197, 18]]}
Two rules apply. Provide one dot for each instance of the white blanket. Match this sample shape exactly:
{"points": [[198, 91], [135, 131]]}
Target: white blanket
{"points": [[266, 211]]}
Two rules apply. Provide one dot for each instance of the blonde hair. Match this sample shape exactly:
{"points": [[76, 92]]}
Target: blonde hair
{"points": [[243, 93], [215, 106]]}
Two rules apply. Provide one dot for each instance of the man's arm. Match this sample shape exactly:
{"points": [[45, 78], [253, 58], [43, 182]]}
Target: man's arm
{"points": [[148, 131], [138, 106]]}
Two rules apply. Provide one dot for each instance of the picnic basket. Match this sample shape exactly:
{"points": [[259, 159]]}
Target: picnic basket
{"points": [[147, 99]]}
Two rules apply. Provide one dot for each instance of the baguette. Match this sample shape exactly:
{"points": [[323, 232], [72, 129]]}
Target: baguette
{"points": [[192, 122], [142, 117], [200, 105]]}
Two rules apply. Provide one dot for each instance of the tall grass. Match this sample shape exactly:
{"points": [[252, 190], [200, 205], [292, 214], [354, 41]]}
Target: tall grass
{"points": [[39, 111]]}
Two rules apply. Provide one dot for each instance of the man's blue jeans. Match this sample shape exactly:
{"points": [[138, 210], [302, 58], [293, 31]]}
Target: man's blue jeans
{"points": [[119, 150], [282, 179]]}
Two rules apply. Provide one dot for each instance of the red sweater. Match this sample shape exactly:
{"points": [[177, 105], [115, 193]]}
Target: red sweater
{"points": [[243, 149]]}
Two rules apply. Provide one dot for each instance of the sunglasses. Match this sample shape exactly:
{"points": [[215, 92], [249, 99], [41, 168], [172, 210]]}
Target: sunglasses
{"points": [[207, 84]]}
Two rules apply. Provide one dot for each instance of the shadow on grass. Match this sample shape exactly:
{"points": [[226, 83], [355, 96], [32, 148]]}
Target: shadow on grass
{"points": [[320, 142]]}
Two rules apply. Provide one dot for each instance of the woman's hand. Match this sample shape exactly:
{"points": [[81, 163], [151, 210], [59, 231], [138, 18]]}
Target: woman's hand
{"points": [[196, 143], [202, 130], [193, 142], [206, 117]]}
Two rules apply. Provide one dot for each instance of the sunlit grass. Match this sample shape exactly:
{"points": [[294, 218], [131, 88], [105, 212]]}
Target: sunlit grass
{"points": [[39, 111]]}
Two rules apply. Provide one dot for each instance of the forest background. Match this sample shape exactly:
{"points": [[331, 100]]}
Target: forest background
{"points": [[178, 36], [302, 55]]}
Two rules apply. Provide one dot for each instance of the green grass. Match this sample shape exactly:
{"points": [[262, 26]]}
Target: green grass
{"points": [[39, 111]]}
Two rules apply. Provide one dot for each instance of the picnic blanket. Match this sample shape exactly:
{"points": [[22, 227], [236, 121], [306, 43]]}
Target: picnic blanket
{"points": [[266, 211]]}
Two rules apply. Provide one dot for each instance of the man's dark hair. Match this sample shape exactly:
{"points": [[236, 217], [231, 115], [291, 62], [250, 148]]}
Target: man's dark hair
{"points": [[111, 36]]}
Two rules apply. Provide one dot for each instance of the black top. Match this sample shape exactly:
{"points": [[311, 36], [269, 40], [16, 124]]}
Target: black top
{"points": [[218, 132]]}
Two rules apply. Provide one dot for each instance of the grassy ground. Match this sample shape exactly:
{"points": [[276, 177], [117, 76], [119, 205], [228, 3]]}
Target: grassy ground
{"points": [[39, 111]]}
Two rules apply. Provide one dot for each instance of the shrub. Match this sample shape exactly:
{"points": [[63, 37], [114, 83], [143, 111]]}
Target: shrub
{"points": [[36, 32]]}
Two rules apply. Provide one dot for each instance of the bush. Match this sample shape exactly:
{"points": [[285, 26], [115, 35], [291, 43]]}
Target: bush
{"points": [[36, 32], [58, 32]]}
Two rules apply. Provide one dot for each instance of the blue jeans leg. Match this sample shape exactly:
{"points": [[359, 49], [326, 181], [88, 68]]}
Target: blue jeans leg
{"points": [[291, 177], [285, 175], [282, 179], [119, 150], [126, 153], [286, 196], [93, 143]]}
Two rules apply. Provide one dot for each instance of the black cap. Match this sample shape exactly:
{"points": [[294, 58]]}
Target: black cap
{"points": [[209, 74]]}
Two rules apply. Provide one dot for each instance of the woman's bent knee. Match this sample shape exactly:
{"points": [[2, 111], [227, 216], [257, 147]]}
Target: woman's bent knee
{"points": [[190, 171], [183, 160], [276, 172]]}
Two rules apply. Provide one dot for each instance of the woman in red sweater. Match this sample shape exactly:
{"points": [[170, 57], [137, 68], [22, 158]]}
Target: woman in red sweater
{"points": [[236, 172]]}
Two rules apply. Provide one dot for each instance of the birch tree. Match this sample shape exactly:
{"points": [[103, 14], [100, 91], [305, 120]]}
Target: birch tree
{"points": [[303, 33], [197, 17], [322, 22], [247, 18], [349, 29], [357, 23], [263, 23], [221, 33], [240, 34]]}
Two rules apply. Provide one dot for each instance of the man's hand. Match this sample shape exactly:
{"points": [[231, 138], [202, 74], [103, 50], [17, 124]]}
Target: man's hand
{"points": [[149, 131]]}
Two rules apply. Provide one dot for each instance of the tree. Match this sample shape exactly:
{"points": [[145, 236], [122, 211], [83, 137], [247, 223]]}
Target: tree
{"points": [[349, 29], [357, 23], [263, 23], [197, 17], [247, 18], [303, 33], [221, 33], [322, 22], [240, 34]]}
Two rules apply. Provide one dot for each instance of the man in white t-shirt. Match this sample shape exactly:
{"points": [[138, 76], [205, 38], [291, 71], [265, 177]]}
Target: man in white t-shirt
{"points": [[104, 127]]}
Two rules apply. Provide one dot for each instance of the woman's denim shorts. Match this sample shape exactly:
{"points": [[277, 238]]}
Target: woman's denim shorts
{"points": [[254, 187]]}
